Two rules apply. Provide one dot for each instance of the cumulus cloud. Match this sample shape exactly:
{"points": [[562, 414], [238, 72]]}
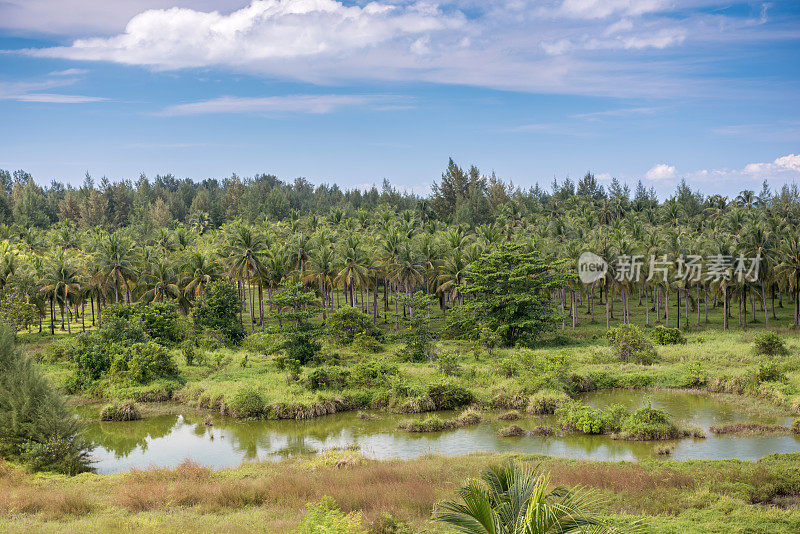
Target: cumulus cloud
{"points": [[312, 104], [515, 44], [661, 172], [264, 31], [788, 163], [782, 170]]}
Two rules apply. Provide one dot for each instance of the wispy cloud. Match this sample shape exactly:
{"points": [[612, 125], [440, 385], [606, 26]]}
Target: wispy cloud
{"points": [[33, 92], [69, 72], [311, 104], [622, 112]]}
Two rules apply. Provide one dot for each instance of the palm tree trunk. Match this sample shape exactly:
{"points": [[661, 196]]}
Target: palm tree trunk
{"points": [[646, 309], [724, 308], [744, 303], [52, 316], [678, 296]]}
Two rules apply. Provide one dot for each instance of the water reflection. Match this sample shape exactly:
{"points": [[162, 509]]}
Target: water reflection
{"points": [[167, 440]]}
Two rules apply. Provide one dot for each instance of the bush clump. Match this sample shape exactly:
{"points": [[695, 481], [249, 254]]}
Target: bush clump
{"points": [[124, 411], [647, 424], [449, 396], [668, 336], [347, 324], [631, 345], [546, 401], [574, 416], [142, 363], [247, 403], [511, 431], [326, 518], [435, 423], [770, 343], [327, 377], [795, 428]]}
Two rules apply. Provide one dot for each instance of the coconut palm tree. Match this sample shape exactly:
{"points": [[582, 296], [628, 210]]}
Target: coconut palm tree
{"points": [[789, 268], [114, 257], [161, 281], [62, 282], [199, 269], [243, 251]]}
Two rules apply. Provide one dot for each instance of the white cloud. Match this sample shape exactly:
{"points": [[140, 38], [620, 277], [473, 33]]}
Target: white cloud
{"points": [[661, 172], [598, 9], [515, 44], [33, 92], [312, 104], [264, 31], [69, 72], [52, 98], [782, 170], [790, 163], [71, 17]]}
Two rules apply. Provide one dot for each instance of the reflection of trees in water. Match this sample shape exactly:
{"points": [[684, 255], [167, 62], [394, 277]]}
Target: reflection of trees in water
{"points": [[124, 437]]}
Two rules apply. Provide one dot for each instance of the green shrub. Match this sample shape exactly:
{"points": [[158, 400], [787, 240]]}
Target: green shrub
{"points": [[300, 343], [125, 411], [325, 518], [668, 336], [796, 426], [246, 403], [189, 352], [373, 373], [507, 367], [631, 345], [576, 416], [327, 378], [694, 377], [449, 396], [770, 344], [160, 321], [647, 423], [346, 324], [141, 363], [768, 372], [613, 417], [546, 401], [365, 343], [447, 363]]}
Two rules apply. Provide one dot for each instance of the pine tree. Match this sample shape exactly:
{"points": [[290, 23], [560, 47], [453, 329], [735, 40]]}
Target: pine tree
{"points": [[36, 427]]}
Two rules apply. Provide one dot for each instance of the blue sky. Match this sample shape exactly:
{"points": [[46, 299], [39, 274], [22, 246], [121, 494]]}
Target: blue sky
{"points": [[355, 92]]}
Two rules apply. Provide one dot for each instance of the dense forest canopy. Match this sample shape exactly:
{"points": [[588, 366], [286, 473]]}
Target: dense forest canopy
{"points": [[64, 248]]}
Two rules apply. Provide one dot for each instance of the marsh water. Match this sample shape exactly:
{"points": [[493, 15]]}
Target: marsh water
{"points": [[167, 440]]}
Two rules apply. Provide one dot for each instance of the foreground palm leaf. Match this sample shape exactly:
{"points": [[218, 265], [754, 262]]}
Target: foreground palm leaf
{"points": [[510, 499]]}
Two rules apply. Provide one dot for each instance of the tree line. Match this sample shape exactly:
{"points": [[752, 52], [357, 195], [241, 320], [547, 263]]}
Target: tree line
{"points": [[65, 252]]}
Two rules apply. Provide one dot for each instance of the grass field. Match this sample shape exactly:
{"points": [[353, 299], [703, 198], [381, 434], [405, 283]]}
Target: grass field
{"points": [[696, 496], [693, 496]]}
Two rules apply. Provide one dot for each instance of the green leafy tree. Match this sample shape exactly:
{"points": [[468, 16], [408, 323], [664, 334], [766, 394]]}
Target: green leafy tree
{"points": [[218, 310], [300, 337], [511, 295], [419, 336]]}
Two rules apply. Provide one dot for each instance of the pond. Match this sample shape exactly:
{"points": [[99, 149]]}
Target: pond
{"points": [[168, 440]]}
